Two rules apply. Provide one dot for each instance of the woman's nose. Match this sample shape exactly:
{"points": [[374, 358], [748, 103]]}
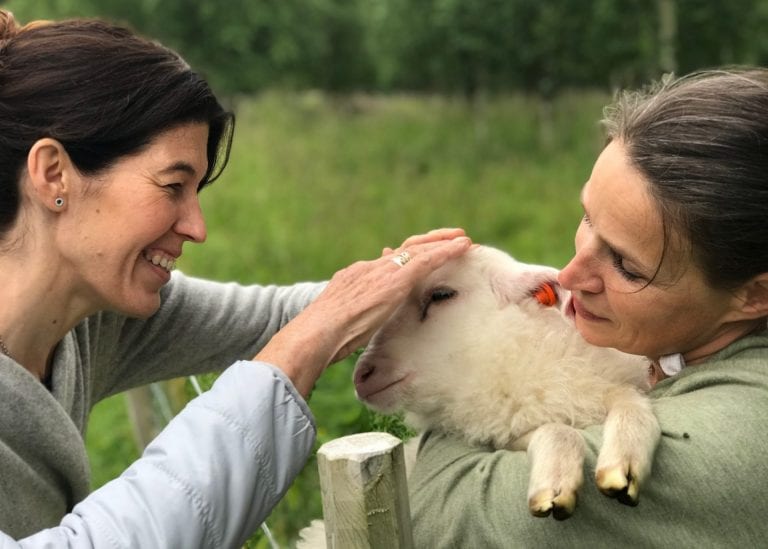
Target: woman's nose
{"points": [[580, 274], [191, 223]]}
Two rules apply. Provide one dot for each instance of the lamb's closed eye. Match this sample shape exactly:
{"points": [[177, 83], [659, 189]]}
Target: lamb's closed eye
{"points": [[435, 295]]}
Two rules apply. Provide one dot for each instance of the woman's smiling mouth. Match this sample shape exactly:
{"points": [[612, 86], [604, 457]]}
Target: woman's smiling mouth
{"points": [[160, 259]]}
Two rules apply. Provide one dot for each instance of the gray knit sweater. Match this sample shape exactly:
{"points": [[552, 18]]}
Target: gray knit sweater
{"points": [[202, 326]]}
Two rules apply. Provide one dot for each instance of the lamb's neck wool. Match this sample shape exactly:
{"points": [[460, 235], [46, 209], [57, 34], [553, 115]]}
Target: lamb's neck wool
{"points": [[538, 370]]}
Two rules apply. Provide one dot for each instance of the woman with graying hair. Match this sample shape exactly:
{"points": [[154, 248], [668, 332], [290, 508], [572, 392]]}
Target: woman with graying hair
{"points": [[671, 263], [106, 139]]}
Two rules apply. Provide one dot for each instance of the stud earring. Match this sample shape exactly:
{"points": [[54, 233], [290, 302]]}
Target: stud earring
{"points": [[59, 202]]}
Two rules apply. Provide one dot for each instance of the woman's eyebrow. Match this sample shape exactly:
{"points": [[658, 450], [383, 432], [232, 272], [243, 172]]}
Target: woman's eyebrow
{"points": [[180, 166]]}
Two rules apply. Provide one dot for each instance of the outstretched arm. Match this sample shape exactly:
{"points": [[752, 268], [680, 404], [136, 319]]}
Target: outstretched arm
{"points": [[356, 302], [208, 480]]}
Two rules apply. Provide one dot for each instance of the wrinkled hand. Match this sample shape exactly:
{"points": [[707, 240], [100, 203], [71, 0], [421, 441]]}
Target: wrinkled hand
{"points": [[356, 302], [366, 293]]}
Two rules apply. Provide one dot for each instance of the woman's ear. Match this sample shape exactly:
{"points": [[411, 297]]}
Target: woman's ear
{"points": [[754, 297], [50, 172]]}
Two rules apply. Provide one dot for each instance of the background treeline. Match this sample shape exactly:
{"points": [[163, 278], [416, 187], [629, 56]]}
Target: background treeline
{"points": [[443, 46]]}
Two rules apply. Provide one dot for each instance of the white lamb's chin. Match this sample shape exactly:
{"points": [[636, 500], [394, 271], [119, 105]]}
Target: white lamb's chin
{"points": [[384, 402]]}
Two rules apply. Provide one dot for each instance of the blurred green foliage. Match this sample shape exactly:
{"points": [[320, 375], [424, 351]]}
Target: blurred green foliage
{"points": [[448, 46], [316, 182]]}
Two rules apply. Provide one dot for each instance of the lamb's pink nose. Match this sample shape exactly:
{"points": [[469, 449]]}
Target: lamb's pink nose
{"points": [[363, 372]]}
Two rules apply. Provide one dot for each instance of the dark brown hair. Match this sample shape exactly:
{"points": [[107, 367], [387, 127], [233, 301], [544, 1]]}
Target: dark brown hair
{"points": [[102, 91], [701, 142]]}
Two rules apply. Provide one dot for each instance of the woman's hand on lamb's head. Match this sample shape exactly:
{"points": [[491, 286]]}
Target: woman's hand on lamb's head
{"points": [[356, 302], [366, 294]]}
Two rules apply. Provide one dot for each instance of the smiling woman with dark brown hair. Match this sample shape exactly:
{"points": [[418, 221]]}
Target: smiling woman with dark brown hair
{"points": [[106, 139]]}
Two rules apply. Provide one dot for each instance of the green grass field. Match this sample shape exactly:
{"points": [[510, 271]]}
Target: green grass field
{"points": [[315, 183]]}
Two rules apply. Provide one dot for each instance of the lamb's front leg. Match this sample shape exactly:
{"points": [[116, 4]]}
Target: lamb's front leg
{"points": [[630, 436], [556, 455]]}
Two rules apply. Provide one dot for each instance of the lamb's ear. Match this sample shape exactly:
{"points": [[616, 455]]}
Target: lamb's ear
{"points": [[506, 288]]}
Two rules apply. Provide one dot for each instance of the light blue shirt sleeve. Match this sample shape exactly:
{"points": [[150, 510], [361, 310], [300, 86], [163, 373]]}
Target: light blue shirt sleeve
{"points": [[208, 480]]}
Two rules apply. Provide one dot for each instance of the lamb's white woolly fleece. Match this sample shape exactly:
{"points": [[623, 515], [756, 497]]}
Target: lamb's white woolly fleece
{"points": [[486, 360]]}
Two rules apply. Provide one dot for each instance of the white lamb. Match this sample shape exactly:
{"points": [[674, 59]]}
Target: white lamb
{"points": [[473, 352]]}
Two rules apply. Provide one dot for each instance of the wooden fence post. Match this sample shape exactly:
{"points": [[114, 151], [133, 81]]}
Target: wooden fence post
{"points": [[365, 492]]}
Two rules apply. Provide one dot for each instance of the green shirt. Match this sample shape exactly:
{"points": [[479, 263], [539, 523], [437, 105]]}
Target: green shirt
{"points": [[708, 486]]}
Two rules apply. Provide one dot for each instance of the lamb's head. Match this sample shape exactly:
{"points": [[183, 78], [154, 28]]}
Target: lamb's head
{"points": [[466, 313]]}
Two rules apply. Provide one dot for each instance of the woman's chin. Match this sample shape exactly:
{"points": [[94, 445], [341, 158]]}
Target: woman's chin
{"points": [[589, 335], [142, 308]]}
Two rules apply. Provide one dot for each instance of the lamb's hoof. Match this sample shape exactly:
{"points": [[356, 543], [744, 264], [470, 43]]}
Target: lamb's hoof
{"points": [[559, 505], [615, 483]]}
